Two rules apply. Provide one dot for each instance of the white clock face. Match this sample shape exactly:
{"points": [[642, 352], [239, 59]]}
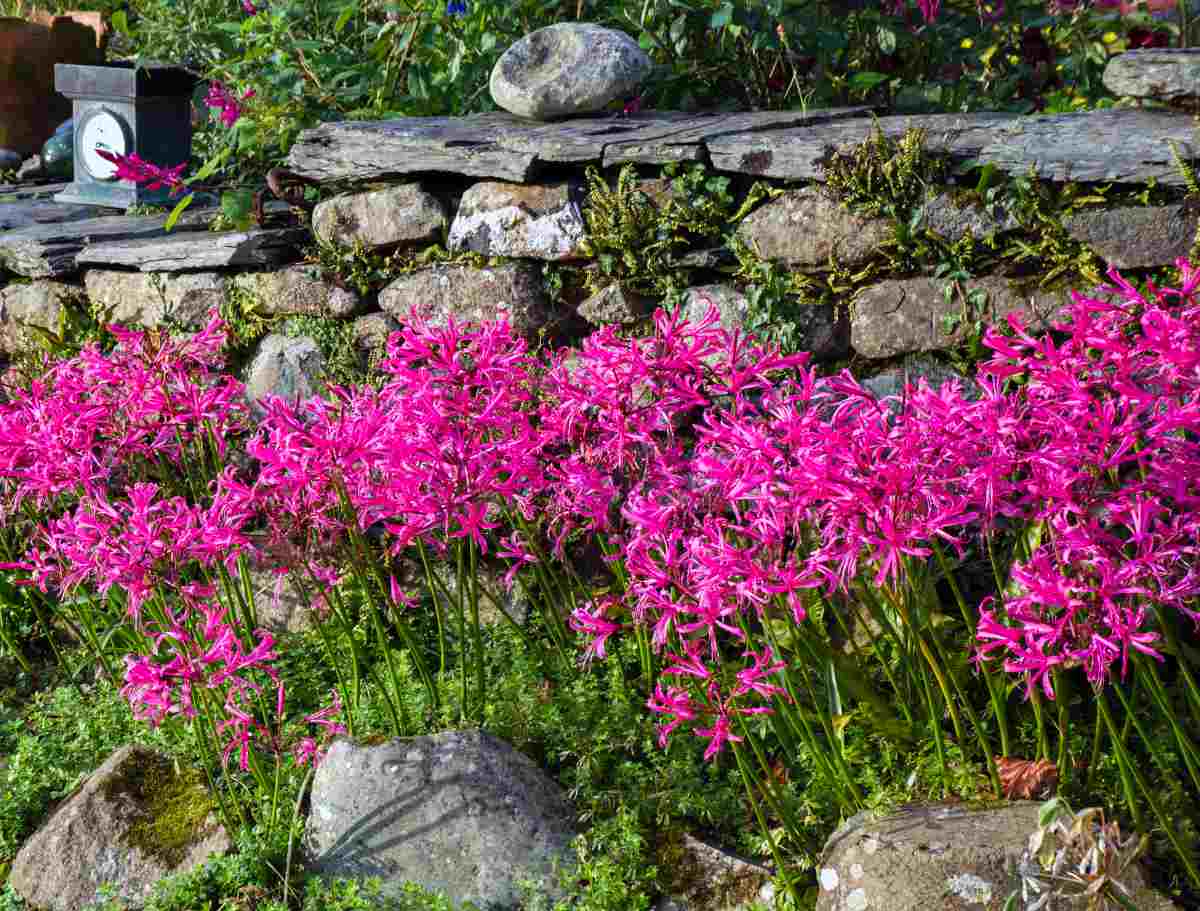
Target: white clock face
{"points": [[102, 130]]}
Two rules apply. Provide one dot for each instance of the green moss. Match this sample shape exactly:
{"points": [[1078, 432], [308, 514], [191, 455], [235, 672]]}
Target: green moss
{"points": [[176, 805]]}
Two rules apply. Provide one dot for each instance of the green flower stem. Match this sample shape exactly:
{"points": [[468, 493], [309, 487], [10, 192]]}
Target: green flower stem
{"points": [[432, 587], [995, 687], [1146, 675], [747, 780], [476, 630], [935, 729], [1131, 777]]}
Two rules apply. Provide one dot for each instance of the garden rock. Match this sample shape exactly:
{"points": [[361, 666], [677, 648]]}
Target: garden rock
{"points": [[1162, 74], [891, 382], [278, 604], [821, 329], [936, 856], [460, 812], [286, 367], [506, 219], [1134, 237], [807, 227], [568, 68], [298, 289], [904, 316], [469, 295], [38, 303], [954, 218], [154, 299], [27, 212], [371, 333], [381, 219], [102, 834], [31, 168], [185, 252], [703, 877], [616, 304]]}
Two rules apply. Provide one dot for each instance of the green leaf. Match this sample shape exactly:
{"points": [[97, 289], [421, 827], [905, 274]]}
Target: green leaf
{"points": [[722, 17], [210, 166], [236, 205], [344, 18], [121, 23], [867, 80], [886, 39], [177, 211]]}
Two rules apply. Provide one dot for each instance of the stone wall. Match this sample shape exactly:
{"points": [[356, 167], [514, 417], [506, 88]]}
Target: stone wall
{"points": [[484, 216]]}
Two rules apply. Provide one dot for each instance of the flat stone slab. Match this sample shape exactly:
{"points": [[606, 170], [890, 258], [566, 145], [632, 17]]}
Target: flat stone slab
{"points": [[49, 250], [1164, 74], [34, 211], [799, 152], [192, 250], [502, 146], [1125, 145]]}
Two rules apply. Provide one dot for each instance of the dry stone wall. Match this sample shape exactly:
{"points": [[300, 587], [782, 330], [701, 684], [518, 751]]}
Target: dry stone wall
{"points": [[488, 216]]}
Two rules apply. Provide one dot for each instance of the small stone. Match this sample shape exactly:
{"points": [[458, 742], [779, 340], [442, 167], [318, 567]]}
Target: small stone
{"points": [[371, 332], [9, 160], [806, 227], [381, 219], [904, 316], [1162, 74], [857, 900], [1136, 237], [152, 299], [508, 219], [830, 879], [469, 295], [31, 168], [298, 289], [37, 303], [953, 218], [822, 329], [615, 305], [286, 367], [566, 69]]}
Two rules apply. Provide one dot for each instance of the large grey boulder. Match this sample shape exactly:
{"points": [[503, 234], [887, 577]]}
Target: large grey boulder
{"points": [[808, 227], [508, 219], [568, 68], [154, 299], [298, 289], [821, 329], [381, 219], [469, 295], [904, 316], [944, 856], [287, 367], [1164, 74], [113, 830], [1135, 237], [461, 813]]}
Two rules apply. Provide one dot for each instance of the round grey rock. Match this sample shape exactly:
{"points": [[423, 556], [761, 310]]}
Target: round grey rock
{"points": [[460, 813], [568, 68], [1163, 74]]}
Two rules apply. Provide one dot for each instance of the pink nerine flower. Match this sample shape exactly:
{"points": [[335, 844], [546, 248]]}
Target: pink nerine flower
{"points": [[219, 96]]}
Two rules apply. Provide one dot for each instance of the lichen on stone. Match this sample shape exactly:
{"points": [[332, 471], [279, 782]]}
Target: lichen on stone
{"points": [[173, 805]]}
